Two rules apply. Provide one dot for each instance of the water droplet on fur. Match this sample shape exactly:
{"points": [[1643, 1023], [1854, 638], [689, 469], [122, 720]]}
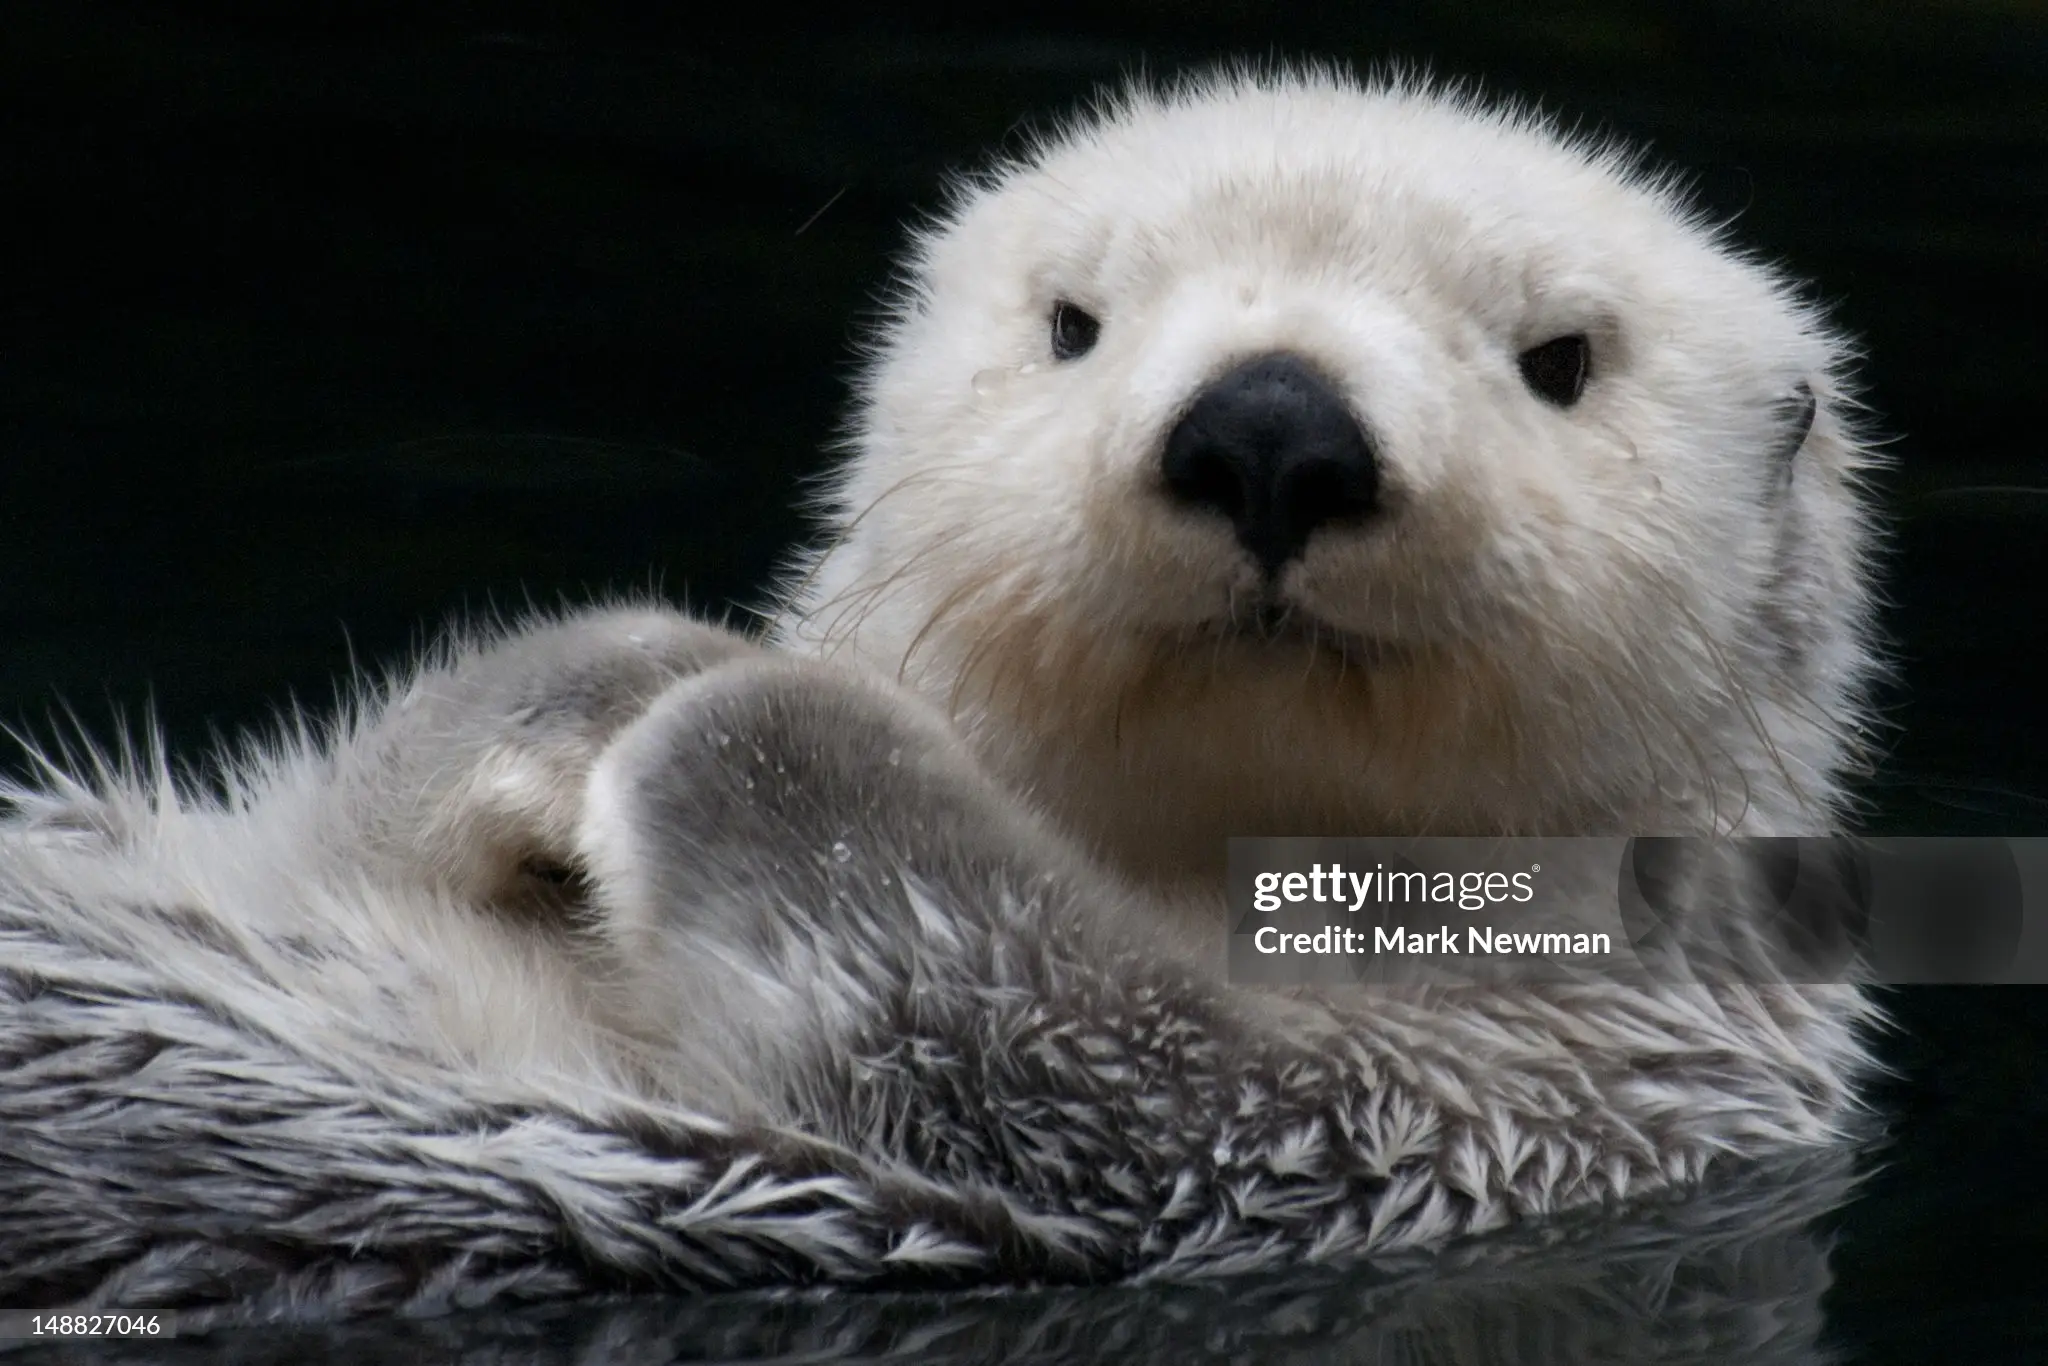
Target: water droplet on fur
{"points": [[840, 852], [1028, 368], [750, 784], [986, 382], [895, 757], [635, 638], [760, 755], [724, 740]]}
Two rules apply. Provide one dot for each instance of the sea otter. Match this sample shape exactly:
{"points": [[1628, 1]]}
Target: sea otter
{"points": [[1270, 454]]}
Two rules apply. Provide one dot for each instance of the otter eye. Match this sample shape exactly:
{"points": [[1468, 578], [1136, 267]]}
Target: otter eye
{"points": [[1556, 371], [1074, 331]]}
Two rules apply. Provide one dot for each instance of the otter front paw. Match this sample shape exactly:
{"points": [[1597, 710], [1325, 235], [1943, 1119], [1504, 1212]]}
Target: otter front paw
{"points": [[474, 776], [780, 795]]}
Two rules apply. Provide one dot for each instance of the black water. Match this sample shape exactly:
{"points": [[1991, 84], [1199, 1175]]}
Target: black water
{"points": [[326, 321]]}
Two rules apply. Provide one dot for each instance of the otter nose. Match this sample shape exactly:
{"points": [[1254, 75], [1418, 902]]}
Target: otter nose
{"points": [[1272, 446]]}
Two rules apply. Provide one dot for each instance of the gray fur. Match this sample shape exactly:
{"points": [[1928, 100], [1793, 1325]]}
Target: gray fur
{"points": [[957, 1066], [1735, 1273]]}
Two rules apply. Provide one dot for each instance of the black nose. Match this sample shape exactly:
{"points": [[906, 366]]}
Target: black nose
{"points": [[1272, 446]]}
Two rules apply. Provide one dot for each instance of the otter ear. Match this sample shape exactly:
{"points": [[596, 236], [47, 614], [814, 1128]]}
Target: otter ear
{"points": [[1795, 413]]}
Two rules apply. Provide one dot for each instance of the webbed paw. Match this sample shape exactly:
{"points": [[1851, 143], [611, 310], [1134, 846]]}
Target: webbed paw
{"points": [[475, 775]]}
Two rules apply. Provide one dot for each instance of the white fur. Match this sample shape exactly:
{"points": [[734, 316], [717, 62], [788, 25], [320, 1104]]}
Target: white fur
{"points": [[1617, 618]]}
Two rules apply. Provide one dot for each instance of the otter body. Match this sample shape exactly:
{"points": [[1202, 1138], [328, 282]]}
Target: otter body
{"points": [[1273, 456]]}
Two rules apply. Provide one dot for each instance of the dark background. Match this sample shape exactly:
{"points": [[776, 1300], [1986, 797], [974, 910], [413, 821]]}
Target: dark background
{"points": [[325, 321]]}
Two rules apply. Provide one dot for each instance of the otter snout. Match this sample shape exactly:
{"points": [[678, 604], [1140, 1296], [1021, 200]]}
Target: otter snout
{"points": [[1273, 447]]}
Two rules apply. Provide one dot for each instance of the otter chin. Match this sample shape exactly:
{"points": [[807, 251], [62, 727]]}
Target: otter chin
{"points": [[1283, 639], [1281, 455]]}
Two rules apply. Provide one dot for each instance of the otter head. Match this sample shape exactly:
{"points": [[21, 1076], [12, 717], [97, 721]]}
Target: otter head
{"points": [[1280, 456]]}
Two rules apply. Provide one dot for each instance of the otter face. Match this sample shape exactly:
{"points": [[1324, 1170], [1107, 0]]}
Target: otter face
{"points": [[1279, 456]]}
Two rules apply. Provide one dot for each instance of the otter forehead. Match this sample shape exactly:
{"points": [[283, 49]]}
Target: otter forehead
{"points": [[1403, 193]]}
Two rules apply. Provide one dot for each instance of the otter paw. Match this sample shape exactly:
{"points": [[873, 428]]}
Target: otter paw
{"points": [[779, 785], [475, 775]]}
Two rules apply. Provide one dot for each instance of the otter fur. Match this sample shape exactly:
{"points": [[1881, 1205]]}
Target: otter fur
{"points": [[1266, 455]]}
